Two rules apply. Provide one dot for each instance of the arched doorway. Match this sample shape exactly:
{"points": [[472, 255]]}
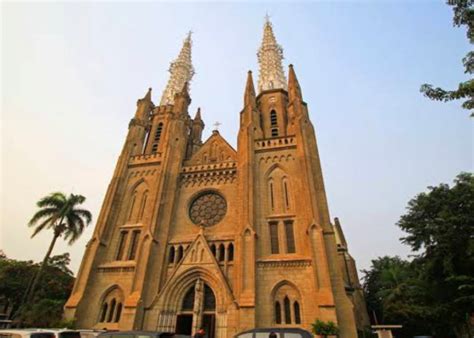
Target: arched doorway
{"points": [[198, 310]]}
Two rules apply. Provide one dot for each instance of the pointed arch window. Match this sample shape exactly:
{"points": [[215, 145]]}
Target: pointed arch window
{"points": [[230, 252], [221, 253], [111, 311], [213, 250], [277, 312], [132, 205], [296, 310], [103, 314], [142, 207], [286, 304], [118, 313], [285, 193], [188, 300], [209, 299], [270, 189], [171, 255], [179, 256], [273, 119]]}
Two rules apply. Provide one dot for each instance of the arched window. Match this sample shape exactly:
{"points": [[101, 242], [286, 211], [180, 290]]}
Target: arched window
{"points": [[286, 304], [285, 193], [118, 313], [221, 253], [180, 254], [158, 132], [296, 308], [230, 252], [111, 311], [209, 299], [171, 255], [273, 119], [270, 189], [213, 250], [188, 300], [277, 313], [103, 313]]}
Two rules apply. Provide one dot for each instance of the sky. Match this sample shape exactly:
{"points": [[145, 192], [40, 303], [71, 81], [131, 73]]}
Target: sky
{"points": [[71, 74]]}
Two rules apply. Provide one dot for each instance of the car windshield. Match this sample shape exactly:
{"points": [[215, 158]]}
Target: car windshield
{"points": [[69, 334], [42, 335]]}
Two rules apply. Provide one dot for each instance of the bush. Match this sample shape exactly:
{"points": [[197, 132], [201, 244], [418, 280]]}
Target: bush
{"points": [[324, 328]]}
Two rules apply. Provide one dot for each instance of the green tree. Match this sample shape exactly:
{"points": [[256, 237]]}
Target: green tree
{"points": [[61, 214], [440, 230], [53, 289], [463, 16]]}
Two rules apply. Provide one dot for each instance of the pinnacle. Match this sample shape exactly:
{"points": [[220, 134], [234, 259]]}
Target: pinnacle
{"points": [[294, 89], [198, 115], [249, 96]]}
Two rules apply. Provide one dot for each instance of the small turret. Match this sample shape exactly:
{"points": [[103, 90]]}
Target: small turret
{"points": [[249, 95], [294, 89], [182, 100], [144, 107]]}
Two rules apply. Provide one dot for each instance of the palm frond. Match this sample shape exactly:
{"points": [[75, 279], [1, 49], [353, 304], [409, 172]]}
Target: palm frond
{"points": [[84, 214], [42, 213], [56, 199], [45, 224]]}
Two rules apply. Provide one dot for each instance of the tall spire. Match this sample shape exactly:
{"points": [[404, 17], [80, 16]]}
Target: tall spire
{"points": [[270, 56], [181, 71]]}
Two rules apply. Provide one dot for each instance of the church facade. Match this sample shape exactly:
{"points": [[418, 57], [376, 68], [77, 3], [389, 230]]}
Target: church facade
{"points": [[198, 234]]}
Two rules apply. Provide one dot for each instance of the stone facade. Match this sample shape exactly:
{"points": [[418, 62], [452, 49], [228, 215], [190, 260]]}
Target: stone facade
{"points": [[195, 234]]}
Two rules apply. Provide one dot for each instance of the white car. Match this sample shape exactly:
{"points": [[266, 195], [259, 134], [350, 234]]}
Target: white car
{"points": [[26, 333]]}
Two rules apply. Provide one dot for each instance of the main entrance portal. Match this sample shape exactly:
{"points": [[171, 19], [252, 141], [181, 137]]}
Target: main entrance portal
{"points": [[198, 311]]}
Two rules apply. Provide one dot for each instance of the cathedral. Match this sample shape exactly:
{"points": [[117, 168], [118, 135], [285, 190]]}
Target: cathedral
{"points": [[196, 234]]}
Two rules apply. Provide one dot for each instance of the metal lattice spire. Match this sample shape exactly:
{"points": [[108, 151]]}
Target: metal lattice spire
{"points": [[270, 56], [181, 71]]}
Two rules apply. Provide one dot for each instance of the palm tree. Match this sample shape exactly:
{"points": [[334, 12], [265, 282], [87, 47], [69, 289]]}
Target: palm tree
{"points": [[62, 215]]}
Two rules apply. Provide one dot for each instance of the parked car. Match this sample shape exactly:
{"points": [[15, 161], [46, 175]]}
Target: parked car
{"points": [[27, 333], [286, 332], [65, 333], [140, 334], [90, 333]]}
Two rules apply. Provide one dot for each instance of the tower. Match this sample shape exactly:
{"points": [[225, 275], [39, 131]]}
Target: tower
{"points": [[195, 234]]}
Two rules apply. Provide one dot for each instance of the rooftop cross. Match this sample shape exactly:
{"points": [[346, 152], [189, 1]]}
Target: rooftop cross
{"points": [[217, 124]]}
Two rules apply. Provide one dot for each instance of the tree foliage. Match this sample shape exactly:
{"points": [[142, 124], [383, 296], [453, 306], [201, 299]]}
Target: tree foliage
{"points": [[434, 293], [52, 291], [463, 16]]}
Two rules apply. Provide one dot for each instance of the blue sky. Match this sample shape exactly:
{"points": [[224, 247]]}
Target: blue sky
{"points": [[72, 72]]}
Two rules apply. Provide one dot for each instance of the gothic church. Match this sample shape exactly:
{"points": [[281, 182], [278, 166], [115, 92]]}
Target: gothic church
{"points": [[198, 234]]}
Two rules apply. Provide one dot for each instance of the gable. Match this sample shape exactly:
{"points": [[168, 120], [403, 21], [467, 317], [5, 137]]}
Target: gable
{"points": [[214, 150]]}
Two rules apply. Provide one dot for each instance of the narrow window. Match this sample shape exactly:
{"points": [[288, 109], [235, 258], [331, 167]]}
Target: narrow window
{"points": [[230, 252], [103, 313], [188, 301], [273, 119], [272, 204], [274, 237], [111, 311], [158, 132], [277, 313], [179, 256], [221, 253], [154, 148], [121, 246], [213, 250], [290, 237], [274, 132], [296, 307], [134, 245], [118, 313], [285, 189], [171, 256], [142, 207], [286, 303]]}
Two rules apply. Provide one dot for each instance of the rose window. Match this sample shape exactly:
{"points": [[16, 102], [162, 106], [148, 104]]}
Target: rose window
{"points": [[208, 209]]}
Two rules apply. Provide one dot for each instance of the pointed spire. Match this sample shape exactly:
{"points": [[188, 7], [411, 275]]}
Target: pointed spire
{"points": [[294, 89], [249, 96], [181, 72], [270, 56], [197, 117], [148, 95]]}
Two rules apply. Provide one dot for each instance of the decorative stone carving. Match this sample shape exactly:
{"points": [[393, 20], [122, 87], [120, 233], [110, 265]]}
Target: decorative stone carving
{"points": [[208, 209]]}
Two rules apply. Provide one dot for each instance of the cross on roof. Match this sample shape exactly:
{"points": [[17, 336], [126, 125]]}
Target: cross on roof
{"points": [[217, 124]]}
